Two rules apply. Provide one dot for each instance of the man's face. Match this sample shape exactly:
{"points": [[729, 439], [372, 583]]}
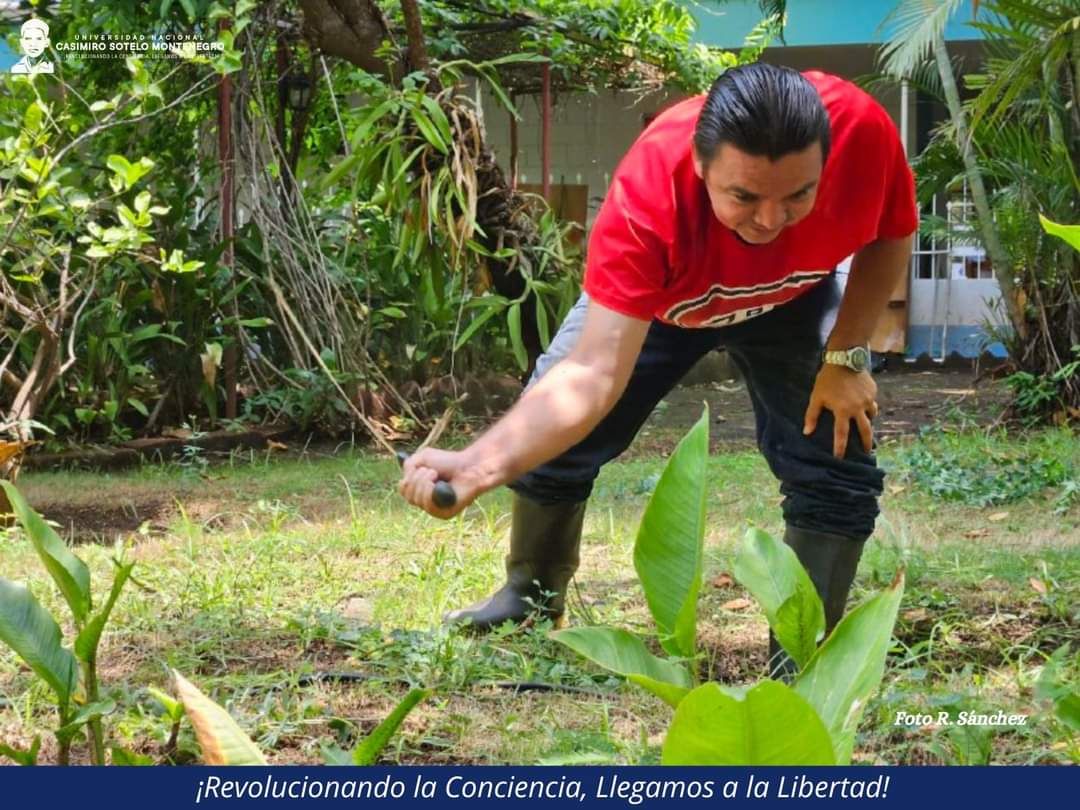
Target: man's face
{"points": [[757, 197], [34, 42]]}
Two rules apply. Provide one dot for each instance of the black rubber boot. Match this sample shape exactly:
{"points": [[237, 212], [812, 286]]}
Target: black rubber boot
{"points": [[544, 543], [831, 561]]}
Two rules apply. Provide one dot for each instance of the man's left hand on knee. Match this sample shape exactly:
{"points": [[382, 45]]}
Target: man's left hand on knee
{"points": [[850, 396]]}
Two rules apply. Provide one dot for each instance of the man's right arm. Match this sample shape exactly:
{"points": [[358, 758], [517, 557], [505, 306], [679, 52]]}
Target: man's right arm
{"points": [[556, 413]]}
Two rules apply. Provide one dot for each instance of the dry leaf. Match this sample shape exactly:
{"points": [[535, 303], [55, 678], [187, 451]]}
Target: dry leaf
{"points": [[271, 444], [974, 534], [1037, 585], [916, 615], [736, 604], [896, 489], [222, 741], [724, 580], [997, 517], [8, 450]]}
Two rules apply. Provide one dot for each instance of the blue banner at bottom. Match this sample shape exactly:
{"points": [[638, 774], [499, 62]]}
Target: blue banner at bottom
{"points": [[528, 787]]}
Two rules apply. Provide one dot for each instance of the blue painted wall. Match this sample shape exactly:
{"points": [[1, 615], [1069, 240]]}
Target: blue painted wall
{"points": [[811, 22], [7, 56]]}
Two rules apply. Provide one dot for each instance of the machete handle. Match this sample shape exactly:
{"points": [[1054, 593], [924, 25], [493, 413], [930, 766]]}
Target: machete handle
{"points": [[444, 495]]}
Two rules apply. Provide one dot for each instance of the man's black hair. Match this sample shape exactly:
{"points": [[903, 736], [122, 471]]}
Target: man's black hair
{"points": [[763, 110]]}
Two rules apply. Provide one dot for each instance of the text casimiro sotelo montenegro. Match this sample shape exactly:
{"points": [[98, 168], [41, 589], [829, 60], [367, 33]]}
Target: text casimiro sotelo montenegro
{"points": [[156, 46]]}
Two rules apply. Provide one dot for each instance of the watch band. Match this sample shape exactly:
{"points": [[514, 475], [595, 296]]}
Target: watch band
{"points": [[857, 358]]}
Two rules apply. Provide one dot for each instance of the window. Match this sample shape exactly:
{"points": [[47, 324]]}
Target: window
{"points": [[978, 267]]}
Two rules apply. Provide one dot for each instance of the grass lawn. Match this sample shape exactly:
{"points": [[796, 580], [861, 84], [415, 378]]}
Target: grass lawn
{"points": [[260, 573]]}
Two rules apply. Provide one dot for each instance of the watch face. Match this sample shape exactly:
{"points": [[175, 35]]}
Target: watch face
{"points": [[860, 358]]}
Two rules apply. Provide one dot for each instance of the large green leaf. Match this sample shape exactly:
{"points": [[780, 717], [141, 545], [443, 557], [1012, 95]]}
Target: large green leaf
{"points": [[87, 642], [911, 28], [430, 132], [222, 741], [86, 713], [68, 571], [771, 571], [668, 551], [31, 632], [367, 752], [1053, 686], [1070, 233], [21, 757], [624, 653], [847, 668], [513, 324], [769, 725]]}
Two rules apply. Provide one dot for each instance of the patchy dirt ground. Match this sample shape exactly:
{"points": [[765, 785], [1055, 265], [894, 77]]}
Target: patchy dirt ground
{"points": [[909, 400]]}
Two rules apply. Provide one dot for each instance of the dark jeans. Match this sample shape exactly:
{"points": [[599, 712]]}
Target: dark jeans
{"points": [[779, 354]]}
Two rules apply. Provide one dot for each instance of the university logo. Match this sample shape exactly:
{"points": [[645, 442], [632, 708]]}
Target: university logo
{"points": [[33, 41]]}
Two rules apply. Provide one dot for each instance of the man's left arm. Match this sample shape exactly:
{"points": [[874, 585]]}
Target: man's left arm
{"points": [[876, 270]]}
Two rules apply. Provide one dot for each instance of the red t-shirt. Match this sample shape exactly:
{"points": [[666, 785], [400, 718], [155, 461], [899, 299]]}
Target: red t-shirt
{"points": [[657, 250]]}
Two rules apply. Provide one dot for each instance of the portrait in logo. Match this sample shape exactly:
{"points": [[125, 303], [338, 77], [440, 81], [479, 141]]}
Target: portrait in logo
{"points": [[34, 40]]}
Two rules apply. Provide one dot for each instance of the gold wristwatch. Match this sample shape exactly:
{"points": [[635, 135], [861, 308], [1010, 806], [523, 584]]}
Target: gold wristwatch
{"points": [[857, 358]]}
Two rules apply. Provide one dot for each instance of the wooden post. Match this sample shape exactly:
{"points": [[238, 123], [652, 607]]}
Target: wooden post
{"points": [[546, 132], [225, 154], [513, 146]]}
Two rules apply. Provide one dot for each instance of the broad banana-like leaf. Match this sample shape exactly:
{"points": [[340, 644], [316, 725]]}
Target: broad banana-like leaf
{"points": [[34, 635], [847, 668], [625, 654], [222, 741], [121, 756], [21, 757], [1070, 233], [771, 571], [768, 725], [367, 752], [68, 571], [85, 714], [1053, 686], [334, 755], [87, 642], [174, 709], [668, 551]]}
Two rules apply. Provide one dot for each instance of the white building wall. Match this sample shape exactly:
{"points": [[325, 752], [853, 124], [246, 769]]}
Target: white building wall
{"points": [[589, 136]]}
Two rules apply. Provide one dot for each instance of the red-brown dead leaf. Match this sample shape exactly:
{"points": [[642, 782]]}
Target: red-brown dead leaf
{"points": [[723, 580], [975, 534], [916, 615], [270, 443], [736, 604], [1037, 585]]}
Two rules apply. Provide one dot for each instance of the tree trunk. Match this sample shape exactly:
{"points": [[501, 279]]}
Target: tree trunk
{"points": [[353, 30], [1003, 269], [37, 383], [418, 59]]}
